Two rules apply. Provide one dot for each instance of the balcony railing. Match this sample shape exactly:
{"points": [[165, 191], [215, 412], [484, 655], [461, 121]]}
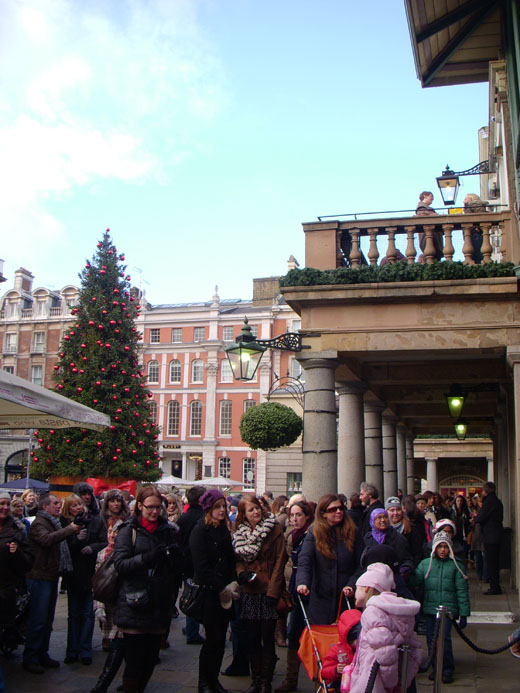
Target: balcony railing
{"points": [[27, 312], [55, 312], [332, 244]]}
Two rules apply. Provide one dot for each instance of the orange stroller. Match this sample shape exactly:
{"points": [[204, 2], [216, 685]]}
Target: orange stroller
{"points": [[315, 642]]}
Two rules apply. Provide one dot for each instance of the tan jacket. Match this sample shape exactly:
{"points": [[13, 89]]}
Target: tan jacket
{"points": [[268, 566], [44, 542]]}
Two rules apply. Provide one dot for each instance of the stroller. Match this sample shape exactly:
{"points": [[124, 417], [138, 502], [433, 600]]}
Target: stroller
{"points": [[315, 642]]}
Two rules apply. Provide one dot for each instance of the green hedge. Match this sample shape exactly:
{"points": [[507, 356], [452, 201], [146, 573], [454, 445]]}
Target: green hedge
{"points": [[400, 272], [270, 426]]}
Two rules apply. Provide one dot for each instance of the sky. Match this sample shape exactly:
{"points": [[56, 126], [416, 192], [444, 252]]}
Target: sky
{"points": [[203, 133]]}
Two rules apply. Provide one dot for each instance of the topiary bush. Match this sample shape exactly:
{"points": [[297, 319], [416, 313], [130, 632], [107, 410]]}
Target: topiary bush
{"points": [[269, 426]]}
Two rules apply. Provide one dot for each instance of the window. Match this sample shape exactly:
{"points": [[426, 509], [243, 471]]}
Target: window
{"points": [[10, 342], [12, 310], [225, 417], [9, 369], [254, 330], [153, 372], [248, 471], [176, 334], [36, 375], [155, 335], [297, 370], [152, 409], [226, 374], [228, 334], [195, 418], [38, 342], [175, 371], [41, 307], [199, 334], [294, 483], [173, 418], [296, 325], [248, 403], [197, 371], [224, 467]]}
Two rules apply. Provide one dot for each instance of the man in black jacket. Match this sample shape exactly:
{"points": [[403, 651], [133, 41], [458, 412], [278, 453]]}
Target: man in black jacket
{"points": [[186, 523], [369, 496], [490, 519]]}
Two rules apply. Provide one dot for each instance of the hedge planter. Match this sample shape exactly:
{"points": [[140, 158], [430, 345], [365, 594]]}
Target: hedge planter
{"points": [[269, 426]]}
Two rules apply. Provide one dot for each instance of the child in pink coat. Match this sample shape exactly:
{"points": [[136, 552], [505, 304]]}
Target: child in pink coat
{"points": [[387, 622]]}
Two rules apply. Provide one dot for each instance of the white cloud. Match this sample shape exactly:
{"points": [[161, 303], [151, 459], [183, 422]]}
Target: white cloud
{"points": [[94, 91]]}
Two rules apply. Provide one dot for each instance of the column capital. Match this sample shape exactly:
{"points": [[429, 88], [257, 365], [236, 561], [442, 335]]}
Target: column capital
{"points": [[513, 354], [318, 362], [430, 459], [374, 406], [351, 387], [390, 418]]}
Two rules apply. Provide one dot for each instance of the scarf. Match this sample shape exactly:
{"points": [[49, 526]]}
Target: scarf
{"points": [[399, 526], [149, 526], [298, 534], [247, 541], [378, 535], [65, 565]]}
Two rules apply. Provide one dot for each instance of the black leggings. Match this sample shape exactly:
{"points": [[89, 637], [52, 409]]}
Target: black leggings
{"points": [[212, 651], [141, 653], [260, 637]]}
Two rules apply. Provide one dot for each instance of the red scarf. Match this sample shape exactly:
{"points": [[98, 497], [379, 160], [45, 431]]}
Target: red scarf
{"points": [[149, 526]]}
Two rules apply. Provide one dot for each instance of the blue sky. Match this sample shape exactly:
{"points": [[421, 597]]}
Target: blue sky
{"points": [[204, 132]]}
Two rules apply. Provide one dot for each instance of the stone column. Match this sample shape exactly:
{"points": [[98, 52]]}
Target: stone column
{"points": [[351, 437], [490, 469], [513, 422], [389, 456], [374, 445], [320, 455], [400, 444], [410, 466], [432, 481]]}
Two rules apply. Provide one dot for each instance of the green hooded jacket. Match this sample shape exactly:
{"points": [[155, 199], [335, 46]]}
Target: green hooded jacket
{"points": [[444, 586]]}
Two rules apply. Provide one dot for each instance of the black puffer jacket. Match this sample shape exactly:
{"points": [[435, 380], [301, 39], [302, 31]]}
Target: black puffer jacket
{"points": [[186, 523], [13, 567], [213, 562], [160, 580]]}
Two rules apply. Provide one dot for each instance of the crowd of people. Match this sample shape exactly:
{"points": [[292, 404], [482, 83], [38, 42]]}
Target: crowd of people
{"points": [[379, 567]]}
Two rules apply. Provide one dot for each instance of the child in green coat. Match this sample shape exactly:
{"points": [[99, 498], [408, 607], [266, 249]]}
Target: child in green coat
{"points": [[445, 584]]}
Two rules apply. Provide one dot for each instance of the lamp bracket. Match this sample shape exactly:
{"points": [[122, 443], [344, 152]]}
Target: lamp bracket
{"points": [[291, 385], [480, 169], [289, 341]]}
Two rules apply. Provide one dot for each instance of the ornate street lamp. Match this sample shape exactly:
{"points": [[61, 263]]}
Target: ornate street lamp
{"points": [[448, 181], [244, 356], [461, 429], [455, 399]]}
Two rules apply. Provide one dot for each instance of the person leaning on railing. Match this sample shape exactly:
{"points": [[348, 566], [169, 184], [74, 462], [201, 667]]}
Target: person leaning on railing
{"points": [[424, 210], [474, 205]]}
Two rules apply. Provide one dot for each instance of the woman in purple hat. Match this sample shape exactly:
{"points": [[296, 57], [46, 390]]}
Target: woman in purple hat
{"points": [[214, 569]]}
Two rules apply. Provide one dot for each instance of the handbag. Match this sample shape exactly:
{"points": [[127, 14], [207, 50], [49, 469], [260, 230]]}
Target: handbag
{"points": [[192, 600], [285, 603], [138, 598], [104, 581]]}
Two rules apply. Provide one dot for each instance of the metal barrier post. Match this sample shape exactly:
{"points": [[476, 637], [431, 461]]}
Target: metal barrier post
{"points": [[442, 612], [405, 654]]}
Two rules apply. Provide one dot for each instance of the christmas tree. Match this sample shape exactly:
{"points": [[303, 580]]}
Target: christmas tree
{"points": [[99, 366]]}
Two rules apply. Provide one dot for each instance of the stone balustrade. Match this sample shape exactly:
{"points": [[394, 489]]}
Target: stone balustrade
{"points": [[332, 244]]}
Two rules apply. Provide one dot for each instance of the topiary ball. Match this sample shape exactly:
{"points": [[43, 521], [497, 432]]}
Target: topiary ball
{"points": [[269, 426]]}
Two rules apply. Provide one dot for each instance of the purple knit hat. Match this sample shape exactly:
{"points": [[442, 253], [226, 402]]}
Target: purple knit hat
{"points": [[208, 499]]}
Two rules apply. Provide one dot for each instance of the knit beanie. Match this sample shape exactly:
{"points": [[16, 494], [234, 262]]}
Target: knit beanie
{"points": [[392, 502], [208, 499], [443, 538], [444, 523], [5, 496], [379, 576]]}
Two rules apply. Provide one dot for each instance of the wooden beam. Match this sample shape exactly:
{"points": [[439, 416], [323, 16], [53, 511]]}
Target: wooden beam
{"points": [[451, 17]]}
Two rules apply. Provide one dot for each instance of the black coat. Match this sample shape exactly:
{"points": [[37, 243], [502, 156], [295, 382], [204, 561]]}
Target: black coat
{"points": [[13, 567], [398, 543], [161, 584], [490, 519], [186, 523], [84, 565], [365, 522], [213, 562], [326, 577]]}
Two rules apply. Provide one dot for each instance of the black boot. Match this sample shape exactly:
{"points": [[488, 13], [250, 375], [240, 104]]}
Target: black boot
{"points": [[268, 665], [112, 664], [255, 662]]}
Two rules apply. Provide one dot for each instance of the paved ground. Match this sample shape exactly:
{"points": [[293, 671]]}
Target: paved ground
{"points": [[177, 670]]}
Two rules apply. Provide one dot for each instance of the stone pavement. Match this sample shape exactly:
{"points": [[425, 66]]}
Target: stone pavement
{"points": [[177, 670]]}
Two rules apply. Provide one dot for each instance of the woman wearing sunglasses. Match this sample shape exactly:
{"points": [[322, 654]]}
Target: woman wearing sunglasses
{"points": [[329, 562]]}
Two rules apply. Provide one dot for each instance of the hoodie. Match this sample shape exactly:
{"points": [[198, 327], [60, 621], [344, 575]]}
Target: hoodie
{"points": [[387, 622], [347, 621]]}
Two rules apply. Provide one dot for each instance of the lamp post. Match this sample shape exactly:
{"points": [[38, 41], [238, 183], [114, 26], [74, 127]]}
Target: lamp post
{"points": [[448, 181], [245, 355]]}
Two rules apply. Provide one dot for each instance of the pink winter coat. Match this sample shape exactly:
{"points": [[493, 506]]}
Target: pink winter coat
{"points": [[387, 622]]}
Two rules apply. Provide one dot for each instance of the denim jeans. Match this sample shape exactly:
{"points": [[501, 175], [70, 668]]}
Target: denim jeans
{"points": [[192, 629], [80, 623], [448, 664], [295, 626], [44, 594]]}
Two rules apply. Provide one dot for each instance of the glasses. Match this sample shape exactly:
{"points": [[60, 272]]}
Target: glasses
{"points": [[152, 507], [335, 509]]}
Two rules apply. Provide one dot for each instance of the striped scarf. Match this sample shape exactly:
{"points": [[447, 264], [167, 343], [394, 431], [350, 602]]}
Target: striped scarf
{"points": [[247, 541]]}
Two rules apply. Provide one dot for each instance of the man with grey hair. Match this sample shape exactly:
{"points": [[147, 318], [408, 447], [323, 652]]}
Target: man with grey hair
{"points": [[369, 496], [47, 540]]}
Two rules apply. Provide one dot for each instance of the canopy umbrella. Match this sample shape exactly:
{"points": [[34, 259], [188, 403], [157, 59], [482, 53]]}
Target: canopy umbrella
{"points": [[218, 482], [174, 481], [25, 405], [20, 485]]}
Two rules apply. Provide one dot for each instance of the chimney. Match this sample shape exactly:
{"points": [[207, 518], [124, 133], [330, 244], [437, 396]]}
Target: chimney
{"points": [[23, 280], [292, 263]]}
